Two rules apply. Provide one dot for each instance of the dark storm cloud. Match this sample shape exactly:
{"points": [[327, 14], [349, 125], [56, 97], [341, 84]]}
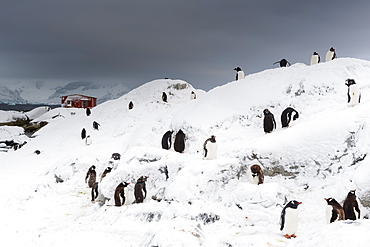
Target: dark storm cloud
{"points": [[199, 41]]}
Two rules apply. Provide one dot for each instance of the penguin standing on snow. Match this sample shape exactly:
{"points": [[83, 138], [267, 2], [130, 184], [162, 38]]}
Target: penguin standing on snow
{"points": [[354, 95], [167, 140], [334, 211], [269, 123], [96, 125], [255, 174], [210, 148], [283, 62], [350, 205], [88, 112], [164, 97], [287, 115], [315, 58], [88, 140], [130, 105], [331, 55], [193, 95], [239, 73], [90, 178], [140, 189], [289, 219], [179, 144], [120, 193], [83, 134]]}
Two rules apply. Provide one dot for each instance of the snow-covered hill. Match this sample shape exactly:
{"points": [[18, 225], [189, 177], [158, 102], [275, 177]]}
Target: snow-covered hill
{"points": [[47, 93], [199, 202]]}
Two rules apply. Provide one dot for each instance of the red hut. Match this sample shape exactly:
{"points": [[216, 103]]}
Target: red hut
{"points": [[78, 101]]}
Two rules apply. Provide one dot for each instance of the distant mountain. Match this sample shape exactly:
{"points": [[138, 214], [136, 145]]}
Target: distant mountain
{"points": [[48, 93]]}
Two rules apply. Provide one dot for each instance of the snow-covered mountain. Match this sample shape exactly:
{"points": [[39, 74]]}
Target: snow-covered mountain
{"points": [[47, 93], [198, 202]]}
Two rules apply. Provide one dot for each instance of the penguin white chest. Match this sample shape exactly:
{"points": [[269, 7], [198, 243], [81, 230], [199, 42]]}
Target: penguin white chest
{"points": [[252, 177], [291, 221], [241, 75], [211, 151], [314, 59], [354, 95], [329, 212], [329, 56]]}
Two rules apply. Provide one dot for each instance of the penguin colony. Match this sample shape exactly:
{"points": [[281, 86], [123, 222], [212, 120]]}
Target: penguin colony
{"points": [[289, 217]]}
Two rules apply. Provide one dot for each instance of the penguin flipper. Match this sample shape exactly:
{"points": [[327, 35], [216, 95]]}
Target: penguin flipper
{"points": [[282, 220], [334, 216]]}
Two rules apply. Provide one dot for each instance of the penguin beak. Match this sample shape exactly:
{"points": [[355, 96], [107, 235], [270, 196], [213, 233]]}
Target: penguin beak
{"points": [[299, 203], [326, 199]]}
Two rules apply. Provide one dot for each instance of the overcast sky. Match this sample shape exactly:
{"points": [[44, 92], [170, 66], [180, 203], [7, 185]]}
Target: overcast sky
{"points": [[133, 42]]}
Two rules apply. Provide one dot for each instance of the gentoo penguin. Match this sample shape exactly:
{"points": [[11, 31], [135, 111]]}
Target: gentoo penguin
{"points": [[289, 219], [210, 148], [140, 189], [354, 95], [334, 211], [83, 134], [88, 112], [315, 58], [350, 205], [90, 178], [239, 73], [269, 123], [287, 115], [283, 62], [255, 174], [96, 125], [94, 191], [88, 140], [167, 140], [120, 192], [193, 95], [179, 144], [130, 105], [331, 55], [116, 156], [164, 97], [106, 171]]}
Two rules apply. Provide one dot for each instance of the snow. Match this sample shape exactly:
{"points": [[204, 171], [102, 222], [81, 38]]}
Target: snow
{"points": [[199, 202]]}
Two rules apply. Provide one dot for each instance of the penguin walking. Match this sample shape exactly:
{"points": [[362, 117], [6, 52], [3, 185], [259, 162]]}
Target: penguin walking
{"points": [[179, 144], [334, 211], [88, 140], [269, 123], [90, 178], [354, 94], [94, 191], [239, 73], [120, 193], [140, 189], [210, 148], [106, 171], [164, 97], [315, 58], [255, 175], [83, 133], [350, 205], [96, 125], [130, 105], [88, 112], [288, 115], [283, 62], [193, 95], [167, 140], [331, 55], [289, 219]]}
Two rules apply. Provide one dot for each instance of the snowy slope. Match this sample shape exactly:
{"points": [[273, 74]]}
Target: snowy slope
{"points": [[203, 202]]}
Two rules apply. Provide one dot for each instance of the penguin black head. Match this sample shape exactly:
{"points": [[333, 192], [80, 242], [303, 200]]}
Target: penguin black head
{"points": [[293, 204], [331, 201], [213, 138], [350, 82], [352, 193], [238, 69], [142, 179], [266, 112], [125, 184], [315, 53], [93, 167]]}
